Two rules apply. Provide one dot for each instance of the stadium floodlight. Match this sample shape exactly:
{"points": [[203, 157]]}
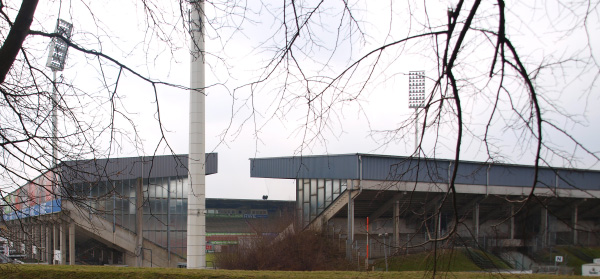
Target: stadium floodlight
{"points": [[56, 61], [416, 98], [416, 89], [58, 47]]}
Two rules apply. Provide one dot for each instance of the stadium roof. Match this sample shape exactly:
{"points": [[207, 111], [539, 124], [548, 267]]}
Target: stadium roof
{"points": [[132, 168], [399, 168]]}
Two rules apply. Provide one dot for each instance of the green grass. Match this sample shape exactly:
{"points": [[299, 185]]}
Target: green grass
{"points": [[500, 264], [571, 256], [210, 260], [110, 272], [447, 261]]}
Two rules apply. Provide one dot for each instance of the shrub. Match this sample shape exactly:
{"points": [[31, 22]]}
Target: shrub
{"points": [[303, 251]]}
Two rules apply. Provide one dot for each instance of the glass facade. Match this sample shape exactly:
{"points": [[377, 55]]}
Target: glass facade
{"points": [[314, 195], [164, 208], [165, 211]]}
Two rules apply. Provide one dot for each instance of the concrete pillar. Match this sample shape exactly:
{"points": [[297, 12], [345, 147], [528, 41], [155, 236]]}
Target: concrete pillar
{"points": [[42, 243], [33, 243], [26, 247], [350, 221], [476, 222], [439, 224], [72, 243], [397, 224], [55, 236], [22, 240], [44, 240], [63, 244], [30, 238], [49, 252], [544, 227], [22, 244], [169, 221], [512, 221], [196, 225], [27, 240], [574, 223], [17, 239], [139, 225]]}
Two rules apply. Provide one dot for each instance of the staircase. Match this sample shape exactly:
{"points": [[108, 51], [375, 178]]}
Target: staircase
{"points": [[480, 259], [517, 260], [104, 231]]}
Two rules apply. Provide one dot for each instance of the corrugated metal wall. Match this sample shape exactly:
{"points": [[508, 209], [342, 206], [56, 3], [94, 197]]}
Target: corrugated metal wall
{"points": [[397, 168], [131, 168], [331, 167], [578, 179]]}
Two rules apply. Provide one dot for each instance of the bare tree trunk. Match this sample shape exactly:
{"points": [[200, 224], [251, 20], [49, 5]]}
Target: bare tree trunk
{"points": [[18, 32]]}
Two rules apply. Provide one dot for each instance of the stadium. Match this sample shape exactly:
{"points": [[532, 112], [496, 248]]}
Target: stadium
{"points": [[372, 204]]}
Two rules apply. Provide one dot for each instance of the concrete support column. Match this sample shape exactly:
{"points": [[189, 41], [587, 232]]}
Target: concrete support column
{"points": [[29, 239], [544, 227], [512, 221], [397, 224], [63, 244], [196, 225], [33, 243], [25, 240], [574, 223], [476, 222], [350, 221], [19, 239], [42, 242], [139, 225], [439, 224], [22, 242], [55, 235], [49, 251], [72, 243]]}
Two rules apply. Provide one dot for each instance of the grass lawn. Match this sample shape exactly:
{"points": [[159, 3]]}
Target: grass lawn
{"points": [[447, 260], [573, 256], [67, 272]]}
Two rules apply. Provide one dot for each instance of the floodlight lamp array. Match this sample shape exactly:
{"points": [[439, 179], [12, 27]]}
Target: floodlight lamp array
{"points": [[58, 47], [416, 89]]}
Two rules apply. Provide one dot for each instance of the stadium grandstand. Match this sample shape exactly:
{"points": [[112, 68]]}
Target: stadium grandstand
{"points": [[90, 215]]}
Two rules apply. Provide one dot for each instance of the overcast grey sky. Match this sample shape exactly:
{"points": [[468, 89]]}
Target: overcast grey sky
{"points": [[269, 133]]}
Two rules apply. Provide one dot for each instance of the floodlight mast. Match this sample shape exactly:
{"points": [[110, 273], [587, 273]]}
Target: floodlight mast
{"points": [[196, 214], [416, 99], [56, 62]]}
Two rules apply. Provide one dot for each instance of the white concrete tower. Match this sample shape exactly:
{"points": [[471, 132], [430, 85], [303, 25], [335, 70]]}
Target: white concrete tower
{"points": [[196, 226]]}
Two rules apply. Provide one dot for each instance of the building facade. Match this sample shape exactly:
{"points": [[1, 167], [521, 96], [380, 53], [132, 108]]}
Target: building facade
{"points": [[413, 204], [94, 215]]}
